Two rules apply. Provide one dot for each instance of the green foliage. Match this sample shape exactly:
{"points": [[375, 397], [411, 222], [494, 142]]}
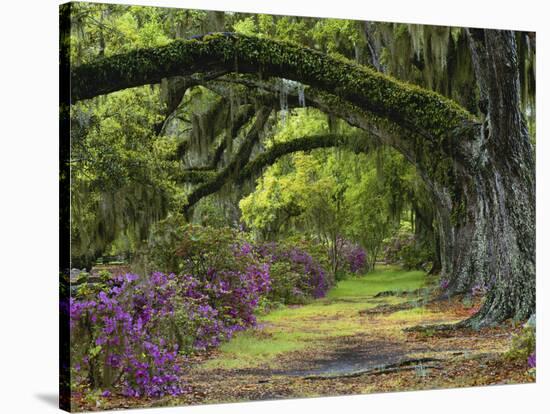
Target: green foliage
{"points": [[86, 289], [174, 246], [523, 344], [336, 36], [162, 244], [416, 255], [211, 212], [246, 26], [203, 248], [369, 208], [332, 194], [120, 172], [129, 151], [405, 248]]}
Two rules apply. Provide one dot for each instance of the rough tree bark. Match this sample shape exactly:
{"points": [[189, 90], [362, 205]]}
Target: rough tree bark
{"points": [[480, 174], [498, 230]]}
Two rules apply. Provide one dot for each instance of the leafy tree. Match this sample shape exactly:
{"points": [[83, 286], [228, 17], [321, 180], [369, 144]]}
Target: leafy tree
{"points": [[463, 164]]}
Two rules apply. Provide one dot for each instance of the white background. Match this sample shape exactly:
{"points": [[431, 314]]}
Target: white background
{"points": [[29, 206]]}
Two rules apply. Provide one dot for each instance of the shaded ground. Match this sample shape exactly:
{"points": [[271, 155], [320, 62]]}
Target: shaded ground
{"points": [[352, 342]]}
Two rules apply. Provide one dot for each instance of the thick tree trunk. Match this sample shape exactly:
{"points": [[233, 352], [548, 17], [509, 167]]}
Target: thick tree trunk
{"points": [[490, 238]]}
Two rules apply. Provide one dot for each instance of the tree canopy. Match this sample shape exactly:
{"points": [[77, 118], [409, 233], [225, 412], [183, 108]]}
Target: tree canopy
{"points": [[350, 129]]}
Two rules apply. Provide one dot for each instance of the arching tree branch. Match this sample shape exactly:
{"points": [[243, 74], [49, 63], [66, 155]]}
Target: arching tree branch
{"points": [[409, 106], [357, 143]]}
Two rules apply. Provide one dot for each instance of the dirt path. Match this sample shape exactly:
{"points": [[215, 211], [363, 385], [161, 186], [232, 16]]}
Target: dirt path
{"points": [[333, 347], [351, 342]]}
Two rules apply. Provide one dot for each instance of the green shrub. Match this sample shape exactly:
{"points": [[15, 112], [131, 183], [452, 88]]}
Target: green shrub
{"points": [[523, 343], [175, 246], [308, 244], [159, 254], [405, 249]]}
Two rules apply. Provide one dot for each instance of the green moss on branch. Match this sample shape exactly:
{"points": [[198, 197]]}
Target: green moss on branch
{"points": [[356, 143], [196, 176], [240, 170], [407, 105]]}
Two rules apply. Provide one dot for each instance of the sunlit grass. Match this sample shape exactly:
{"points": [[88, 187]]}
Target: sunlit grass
{"points": [[291, 329], [248, 349], [316, 309], [382, 279], [410, 314]]}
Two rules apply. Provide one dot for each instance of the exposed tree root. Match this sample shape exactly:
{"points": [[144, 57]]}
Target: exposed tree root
{"points": [[406, 365], [420, 291], [444, 327], [385, 309], [474, 323]]}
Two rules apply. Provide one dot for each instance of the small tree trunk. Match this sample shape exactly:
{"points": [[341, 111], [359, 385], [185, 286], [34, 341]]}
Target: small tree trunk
{"points": [[436, 267]]}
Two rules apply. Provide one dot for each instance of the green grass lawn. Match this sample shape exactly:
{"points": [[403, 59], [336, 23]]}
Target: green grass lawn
{"points": [[296, 328], [383, 278]]}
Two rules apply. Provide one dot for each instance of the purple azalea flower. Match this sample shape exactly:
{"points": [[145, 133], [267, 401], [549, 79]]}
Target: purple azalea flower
{"points": [[532, 360]]}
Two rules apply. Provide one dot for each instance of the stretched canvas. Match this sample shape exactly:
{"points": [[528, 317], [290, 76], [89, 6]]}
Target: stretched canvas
{"points": [[258, 207]]}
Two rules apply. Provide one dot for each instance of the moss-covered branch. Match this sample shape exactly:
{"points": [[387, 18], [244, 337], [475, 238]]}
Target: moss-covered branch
{"points": [[359, 143], [249, 169], [410, 106], [196, 176], [424, 154], [238, 161]]}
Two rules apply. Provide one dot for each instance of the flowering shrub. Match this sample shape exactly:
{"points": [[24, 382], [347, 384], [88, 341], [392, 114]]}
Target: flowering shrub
{"points": [[532, 360], [524, 344], [347, 257], [295, 274], [308, 244], [130, 334], [118, 337], [354, 256]]}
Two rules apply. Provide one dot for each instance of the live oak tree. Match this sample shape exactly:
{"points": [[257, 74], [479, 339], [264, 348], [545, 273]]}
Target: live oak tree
{"points": [[478, 168]]}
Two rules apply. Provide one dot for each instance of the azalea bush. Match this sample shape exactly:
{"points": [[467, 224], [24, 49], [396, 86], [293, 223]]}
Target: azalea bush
{"points": [[354, 257], [347, 257], [295, 274], [406, 249], [118, 338], [524, 345], [131, 336], [310, 245]]}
